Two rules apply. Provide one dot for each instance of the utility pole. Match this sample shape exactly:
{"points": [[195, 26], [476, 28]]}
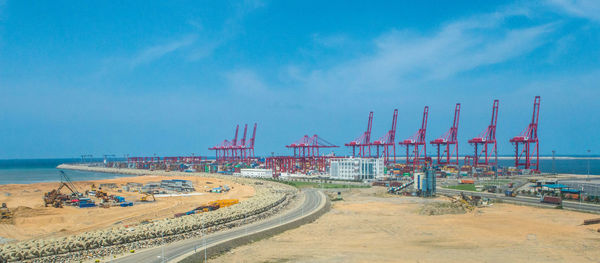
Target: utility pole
{"points": [[554, 162], [588, 163]]}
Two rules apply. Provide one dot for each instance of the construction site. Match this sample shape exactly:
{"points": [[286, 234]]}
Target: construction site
{"points": [[75, 207]]}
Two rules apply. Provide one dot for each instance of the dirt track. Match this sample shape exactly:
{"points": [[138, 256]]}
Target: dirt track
{"points": [[370, 226], [33, 220]]}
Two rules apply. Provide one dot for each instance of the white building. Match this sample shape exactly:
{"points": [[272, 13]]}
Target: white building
{"points": [[356, 168], [265, 173]]}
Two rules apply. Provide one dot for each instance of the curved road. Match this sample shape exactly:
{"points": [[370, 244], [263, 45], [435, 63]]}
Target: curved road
{"points": [[528, 200], [313, 200]]}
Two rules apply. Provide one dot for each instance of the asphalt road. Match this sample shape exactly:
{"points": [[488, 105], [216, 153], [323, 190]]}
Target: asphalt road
{"points": [[312, 200], [527, 200]]}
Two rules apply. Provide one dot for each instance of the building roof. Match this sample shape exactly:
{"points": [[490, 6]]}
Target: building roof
{"points": [[556, 186], [573, 191]]}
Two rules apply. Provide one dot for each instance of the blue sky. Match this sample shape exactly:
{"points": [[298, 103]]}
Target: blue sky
{"points": [[175, 77]]}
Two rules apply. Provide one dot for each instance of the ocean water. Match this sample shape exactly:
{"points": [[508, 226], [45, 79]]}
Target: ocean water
{"points": [[26, 171], [569, 166]]}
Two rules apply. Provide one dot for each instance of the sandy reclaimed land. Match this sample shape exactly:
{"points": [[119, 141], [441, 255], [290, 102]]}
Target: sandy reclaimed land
{"points": [[33, 220], [371, 226]]}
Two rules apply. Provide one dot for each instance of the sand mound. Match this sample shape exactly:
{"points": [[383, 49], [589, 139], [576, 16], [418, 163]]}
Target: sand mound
{"points": [[441, 208]]}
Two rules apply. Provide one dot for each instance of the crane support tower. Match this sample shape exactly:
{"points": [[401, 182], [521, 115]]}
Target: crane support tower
{"points": [[485, 143], [363, 142], [529, 139], [233, 150], [388, 140], [306, 156], [418, 154], [309, 146], [448, 143]]}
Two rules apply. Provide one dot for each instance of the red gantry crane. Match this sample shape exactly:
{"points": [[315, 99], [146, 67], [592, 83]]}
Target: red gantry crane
{"points": [[242, 146], [448, 142], [234, 151], [487, 140], [388, 140], [413, 158], [309, 146], [250, 146], [306, 156], [528, 137], [363, 142]]}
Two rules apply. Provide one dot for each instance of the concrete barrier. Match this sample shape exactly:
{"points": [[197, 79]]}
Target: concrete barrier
{"points": [[227, 245]]}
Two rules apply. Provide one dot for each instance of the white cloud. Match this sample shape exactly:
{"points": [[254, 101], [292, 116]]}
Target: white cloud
{"points": [[157, 51], [401, 56], [589, 9], [144, 56], [246, 82]]}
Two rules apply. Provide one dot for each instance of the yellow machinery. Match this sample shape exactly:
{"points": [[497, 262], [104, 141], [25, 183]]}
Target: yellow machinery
{"points": [[146, 197], [5, 214], [224, 203], [102, 195], [463, 200]]}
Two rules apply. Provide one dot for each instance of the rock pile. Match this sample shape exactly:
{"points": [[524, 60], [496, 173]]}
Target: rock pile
{"points": [[442, 208]]}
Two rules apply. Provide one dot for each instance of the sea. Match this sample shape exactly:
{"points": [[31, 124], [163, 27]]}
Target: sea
{"points": [[26, 171]]}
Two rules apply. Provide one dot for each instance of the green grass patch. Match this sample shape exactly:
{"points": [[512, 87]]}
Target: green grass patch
{"points": [[496, 182], [462, 187], [300, 184], [322, 185]]}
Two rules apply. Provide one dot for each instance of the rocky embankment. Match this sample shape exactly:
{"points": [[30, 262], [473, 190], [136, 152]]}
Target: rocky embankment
{"points": [[269, 196]]}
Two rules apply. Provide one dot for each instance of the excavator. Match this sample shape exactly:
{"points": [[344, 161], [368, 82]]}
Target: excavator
{"points": [[102, 195], [5, 214], [146, 197], [55, 198]]}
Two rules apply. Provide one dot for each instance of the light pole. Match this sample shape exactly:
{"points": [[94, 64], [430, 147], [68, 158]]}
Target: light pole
{"points": [[204, 239], [553, 162], [162, 258], [588, 163]]}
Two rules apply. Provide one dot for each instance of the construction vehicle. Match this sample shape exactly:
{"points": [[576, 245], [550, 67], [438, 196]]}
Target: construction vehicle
{"points": [[102, 195], [55, 198], [214, 205], [5, 214], [224, 203], [146, 198], [551, 200], [465, 201]]}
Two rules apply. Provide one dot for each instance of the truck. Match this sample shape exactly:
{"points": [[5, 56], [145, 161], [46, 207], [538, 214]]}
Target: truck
{"points": [[510, 193], [551, 200]]}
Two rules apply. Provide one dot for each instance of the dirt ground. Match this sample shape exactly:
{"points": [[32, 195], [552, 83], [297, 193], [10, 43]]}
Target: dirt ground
{"points": [[371, 226], [33, 220]]}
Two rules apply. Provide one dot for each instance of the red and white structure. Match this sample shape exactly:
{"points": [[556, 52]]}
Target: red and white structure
{"points": [[309, 146], [447, 144], [307, 156], [418, 155], [485, 143], [387, 141], [363, 142], [233, 150], [528, 138]]}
